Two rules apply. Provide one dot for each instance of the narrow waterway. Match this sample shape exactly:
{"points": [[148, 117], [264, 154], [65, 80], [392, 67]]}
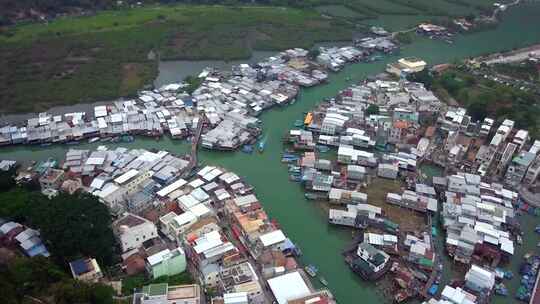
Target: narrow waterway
{"points": [[303, 222]]}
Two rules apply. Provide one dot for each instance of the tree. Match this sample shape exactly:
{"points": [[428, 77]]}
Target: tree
{"points": [[314, 53], [39, 278], [372, 110], [74, 226], [423, 76], [7, 179], [404, 38]]}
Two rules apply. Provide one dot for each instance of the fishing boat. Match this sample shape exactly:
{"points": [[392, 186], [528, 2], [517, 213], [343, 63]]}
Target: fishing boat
{"points": [[323, 281], [261, 144], [93, 140], [311, 270]]}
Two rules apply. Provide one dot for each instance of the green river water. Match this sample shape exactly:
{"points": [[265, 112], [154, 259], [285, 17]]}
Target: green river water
{"points": [[304, 222]]}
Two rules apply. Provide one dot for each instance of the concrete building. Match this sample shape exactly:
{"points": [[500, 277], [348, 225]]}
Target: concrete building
{"points": [[166, 263], [165, 294], [532, 173], [288, 287], [242, 279], [52, 179], [406, 65], [518, 168], [132, 231], [376, 259]]}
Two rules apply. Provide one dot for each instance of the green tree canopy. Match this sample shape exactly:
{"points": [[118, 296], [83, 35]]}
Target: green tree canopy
{"points": [[71, 225], [372, 110]]}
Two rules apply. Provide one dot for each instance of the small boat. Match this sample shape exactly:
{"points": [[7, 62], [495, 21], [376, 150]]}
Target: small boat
{"points": [[323, 281], [73, 142], [322, 149], [45, 144], [295, 177], [261, 144], [311, 270], [93, 140], [295, 169], [537, 229], [127, 138], [298, 123], [315, 196], [247, 149]]}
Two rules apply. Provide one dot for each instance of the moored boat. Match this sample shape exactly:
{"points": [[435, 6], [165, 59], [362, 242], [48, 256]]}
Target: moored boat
{"points": [[311, 270], [261, 145], [247, 149]]}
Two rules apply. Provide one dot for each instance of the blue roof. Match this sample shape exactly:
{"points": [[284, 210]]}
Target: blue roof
{"points": [[433, 289], [38, 250], [79, 266], [188, 101]]}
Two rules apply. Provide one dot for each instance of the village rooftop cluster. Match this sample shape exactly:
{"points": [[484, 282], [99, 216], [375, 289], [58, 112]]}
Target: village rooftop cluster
{"points": [[488, 167], [170, 219], [228, 102]]}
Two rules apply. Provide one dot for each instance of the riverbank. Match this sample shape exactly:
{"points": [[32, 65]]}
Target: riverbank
{"points": [[116, 51], [284, 200]]}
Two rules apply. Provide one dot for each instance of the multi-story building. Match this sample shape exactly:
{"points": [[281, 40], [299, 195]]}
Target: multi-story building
{"points": [[166, 263], [518, 168], [132, 230], [165, 294]]}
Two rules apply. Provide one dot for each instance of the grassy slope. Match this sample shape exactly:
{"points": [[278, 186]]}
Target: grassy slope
{"points": [[99, 57]]}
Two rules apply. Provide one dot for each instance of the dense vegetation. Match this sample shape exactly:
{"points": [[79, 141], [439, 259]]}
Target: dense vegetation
{"points": [[105, 53], [101, 57], [38, 280], [12, 11], [527, 71], [486, 98], [71, 226]]}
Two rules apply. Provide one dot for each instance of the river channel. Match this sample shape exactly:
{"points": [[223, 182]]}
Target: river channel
{"points": [[305, 223]]}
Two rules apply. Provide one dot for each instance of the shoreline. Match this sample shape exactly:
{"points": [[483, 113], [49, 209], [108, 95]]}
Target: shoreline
{"points": [[292, 69]]}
